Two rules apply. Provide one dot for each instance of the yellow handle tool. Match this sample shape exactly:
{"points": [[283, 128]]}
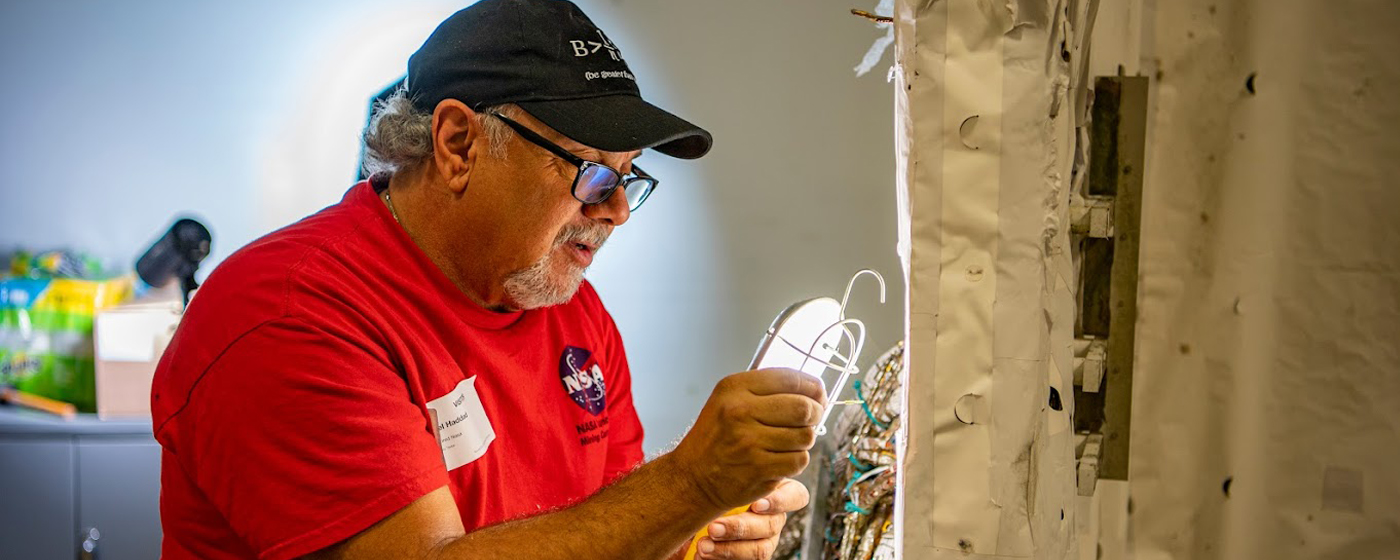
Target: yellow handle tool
{"points": [[805, 337], [690, 552]]}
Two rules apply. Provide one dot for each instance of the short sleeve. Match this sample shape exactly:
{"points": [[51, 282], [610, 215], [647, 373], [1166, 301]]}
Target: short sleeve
{"points": [[302, 439], [625, 428]]}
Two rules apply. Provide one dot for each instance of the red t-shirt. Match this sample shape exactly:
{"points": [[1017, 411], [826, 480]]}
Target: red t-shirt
{"points": [[328, 374]]}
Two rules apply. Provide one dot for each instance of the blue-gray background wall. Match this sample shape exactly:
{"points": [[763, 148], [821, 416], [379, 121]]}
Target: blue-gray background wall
{"points": [[117, 116]]}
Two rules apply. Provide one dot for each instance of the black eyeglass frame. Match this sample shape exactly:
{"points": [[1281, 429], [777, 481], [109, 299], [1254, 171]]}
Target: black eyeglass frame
{"points": [[640, 177]]}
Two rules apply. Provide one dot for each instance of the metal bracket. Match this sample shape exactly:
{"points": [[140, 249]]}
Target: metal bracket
{"points": [[1090, 365], [1092, 216], [1106, 221], [1089, 447]]}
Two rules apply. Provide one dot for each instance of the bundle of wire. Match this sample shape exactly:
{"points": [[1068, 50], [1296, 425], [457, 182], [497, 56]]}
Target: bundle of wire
{"points": [[861, 470]]}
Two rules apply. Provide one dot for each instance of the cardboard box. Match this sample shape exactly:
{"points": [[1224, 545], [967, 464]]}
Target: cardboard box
{"points": [[128, 341]]}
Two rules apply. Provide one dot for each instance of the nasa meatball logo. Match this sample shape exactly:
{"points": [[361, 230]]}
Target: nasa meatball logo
{"points": [[583, 379]]}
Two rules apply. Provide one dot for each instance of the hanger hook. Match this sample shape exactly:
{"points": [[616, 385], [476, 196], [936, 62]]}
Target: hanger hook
{"points": [[847, 297]]}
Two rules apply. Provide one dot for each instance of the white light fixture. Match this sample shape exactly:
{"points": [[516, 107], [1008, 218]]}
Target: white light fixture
{"points": [[809, 335], [800, 337]]}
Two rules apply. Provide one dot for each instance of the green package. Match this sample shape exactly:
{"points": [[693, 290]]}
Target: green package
{"points": [[46, 344]]}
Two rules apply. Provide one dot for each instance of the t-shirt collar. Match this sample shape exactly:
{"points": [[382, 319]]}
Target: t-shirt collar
{"points": [[364, 196]]}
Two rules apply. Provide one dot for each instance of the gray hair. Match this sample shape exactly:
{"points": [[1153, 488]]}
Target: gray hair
{"points": [[400, 136]]}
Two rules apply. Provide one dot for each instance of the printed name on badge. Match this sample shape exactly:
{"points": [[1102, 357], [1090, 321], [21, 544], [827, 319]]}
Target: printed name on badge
{"points": [[461, 425]]}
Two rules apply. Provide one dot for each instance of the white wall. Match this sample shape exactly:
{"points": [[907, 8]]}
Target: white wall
{"points": [[1266, 405], [117, 116]]}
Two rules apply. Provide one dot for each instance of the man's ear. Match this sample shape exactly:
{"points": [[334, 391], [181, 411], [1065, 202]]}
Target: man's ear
{"points": [[457, 140]]}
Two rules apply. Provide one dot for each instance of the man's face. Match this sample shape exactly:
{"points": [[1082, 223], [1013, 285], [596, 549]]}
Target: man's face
{"points": [[543, 238]]}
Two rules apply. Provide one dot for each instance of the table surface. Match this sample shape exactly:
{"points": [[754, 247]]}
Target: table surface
{"points": [[24, 422]]}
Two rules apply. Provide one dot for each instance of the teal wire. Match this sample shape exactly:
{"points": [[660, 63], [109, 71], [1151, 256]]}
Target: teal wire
{"points": [[862, 467], [850, 484], [853, 508], [866, 407]]}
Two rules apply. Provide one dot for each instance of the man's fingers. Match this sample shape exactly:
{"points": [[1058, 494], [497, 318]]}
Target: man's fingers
{"points": [[761, 549], [788, 411], [746, 526], [745, 550], [775, 381], [784, 440], [793, 462], [789, 496]]}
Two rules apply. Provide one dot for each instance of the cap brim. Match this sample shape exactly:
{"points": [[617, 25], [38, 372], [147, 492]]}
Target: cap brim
{"points": [[621, 123]]}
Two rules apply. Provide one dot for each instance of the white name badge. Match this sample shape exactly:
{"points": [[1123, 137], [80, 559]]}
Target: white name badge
{"points": [[461, 425]]}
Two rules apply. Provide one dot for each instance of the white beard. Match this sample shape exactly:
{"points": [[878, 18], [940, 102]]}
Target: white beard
{"points": [[536, 286]]}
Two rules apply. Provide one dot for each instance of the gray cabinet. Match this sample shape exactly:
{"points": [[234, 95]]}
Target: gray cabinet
{"points": [[61, 479], [36, 515]]}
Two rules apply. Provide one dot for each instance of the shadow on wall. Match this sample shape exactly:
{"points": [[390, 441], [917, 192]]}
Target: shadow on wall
{"points": [[797, 194]]}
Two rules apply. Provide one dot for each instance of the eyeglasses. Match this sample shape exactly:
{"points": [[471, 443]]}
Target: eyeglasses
{"points": [[595, 182]]}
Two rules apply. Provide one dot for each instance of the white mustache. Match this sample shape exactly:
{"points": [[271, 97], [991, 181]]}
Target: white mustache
{"points": [[592, 234]]}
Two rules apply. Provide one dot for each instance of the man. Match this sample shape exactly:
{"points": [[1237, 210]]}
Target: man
{"points": [[420, 371]]}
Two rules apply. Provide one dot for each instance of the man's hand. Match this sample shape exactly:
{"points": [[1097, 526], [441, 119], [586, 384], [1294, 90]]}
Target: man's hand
{"points": [[753, 535], [753, 433]]}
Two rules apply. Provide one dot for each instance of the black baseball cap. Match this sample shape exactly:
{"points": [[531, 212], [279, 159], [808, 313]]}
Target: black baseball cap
{"points": [[547, 57]]}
